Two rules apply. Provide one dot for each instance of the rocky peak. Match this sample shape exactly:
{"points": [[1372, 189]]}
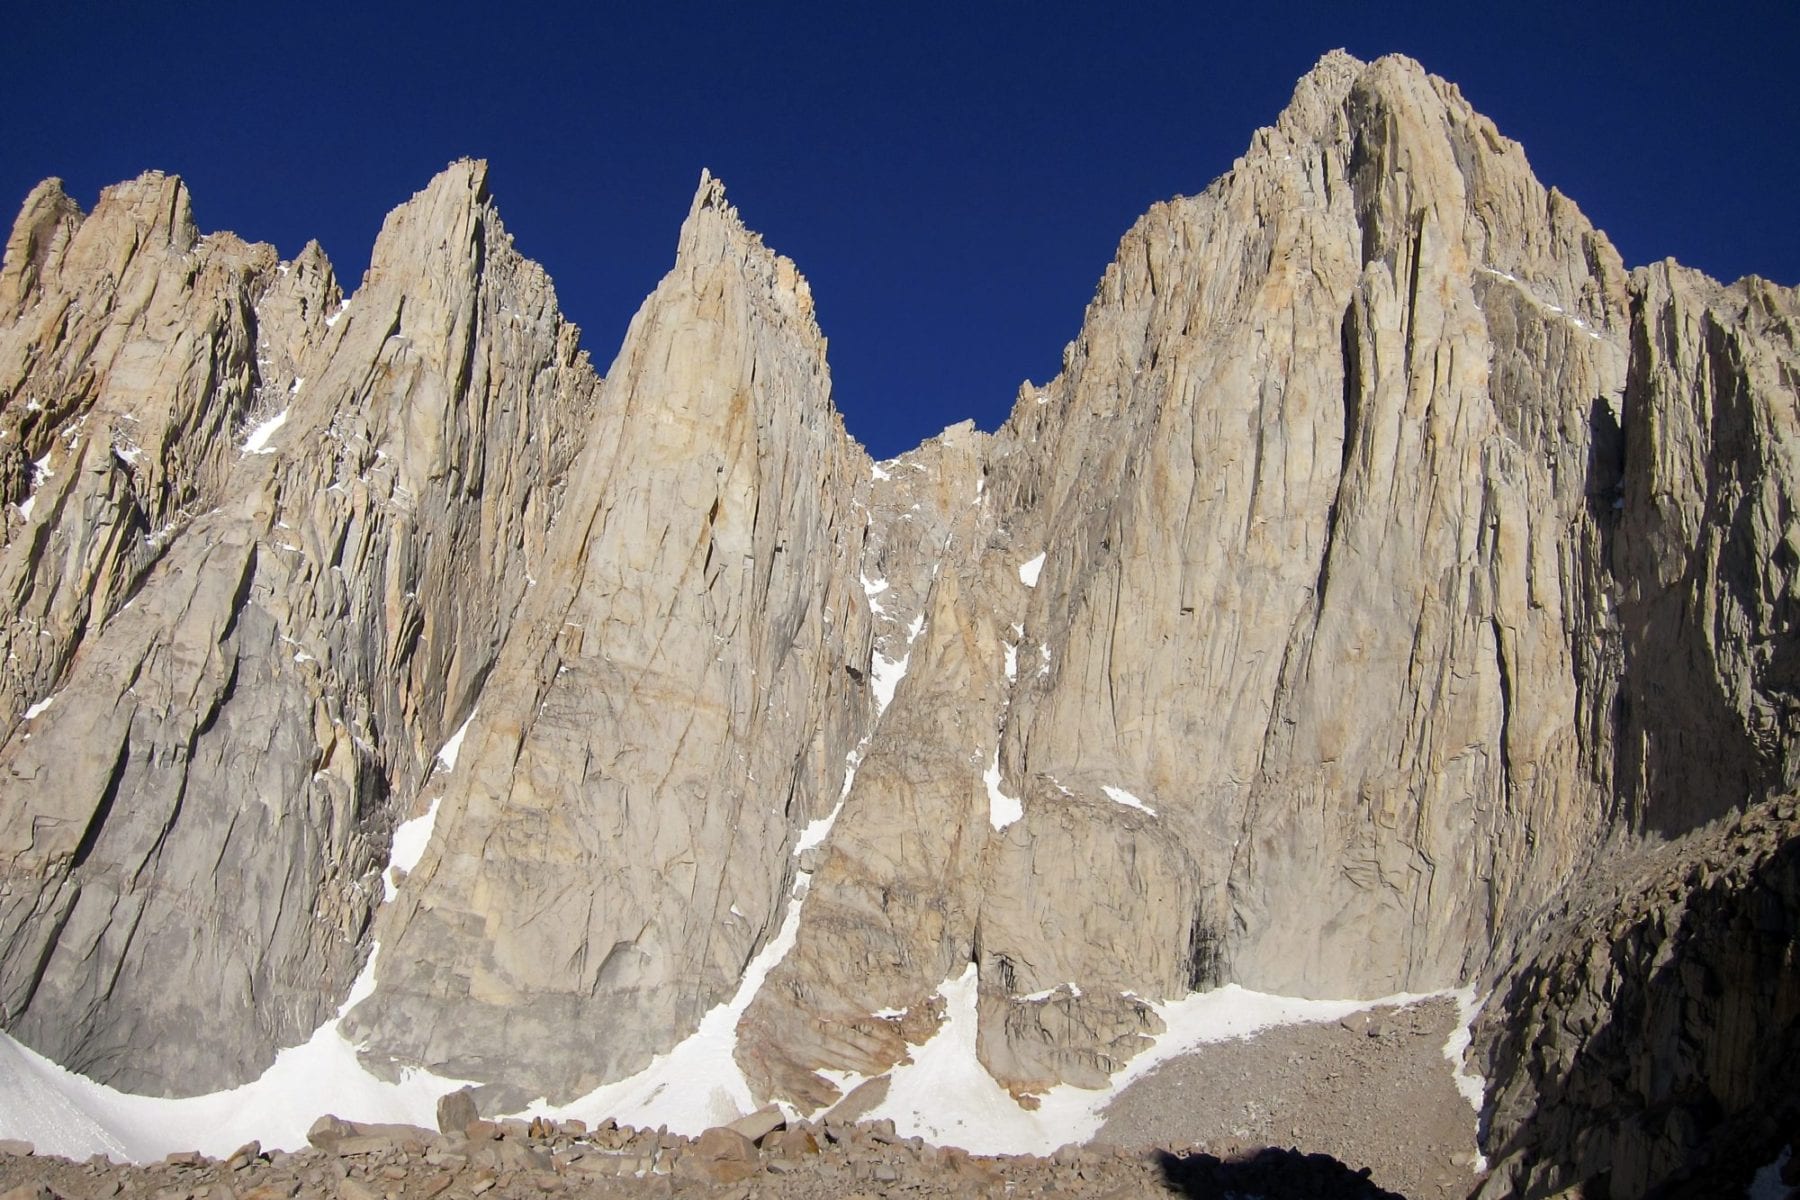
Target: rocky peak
{"points": [[40, 237], [321, 524], [153, 212], [700, 593], [1382, 559]]}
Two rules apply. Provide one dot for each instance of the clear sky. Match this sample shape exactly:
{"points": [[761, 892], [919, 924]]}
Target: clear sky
{"points": [[952, 178]]}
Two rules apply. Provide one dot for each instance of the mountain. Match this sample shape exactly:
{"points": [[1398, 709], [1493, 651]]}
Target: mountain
{"points": [[1387, 575]]}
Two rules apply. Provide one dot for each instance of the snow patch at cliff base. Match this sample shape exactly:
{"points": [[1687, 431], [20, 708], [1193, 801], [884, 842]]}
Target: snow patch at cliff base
{"points": [[944, 1095], [60, 1112], [1456, 1051], [697, 1084]]}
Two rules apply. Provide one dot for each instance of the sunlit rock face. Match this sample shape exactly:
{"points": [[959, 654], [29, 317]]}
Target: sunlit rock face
{"points": [[1385, 563], [262, 552]]}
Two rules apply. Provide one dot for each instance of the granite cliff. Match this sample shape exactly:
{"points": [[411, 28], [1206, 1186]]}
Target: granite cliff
{"points": [[1385, 567]]}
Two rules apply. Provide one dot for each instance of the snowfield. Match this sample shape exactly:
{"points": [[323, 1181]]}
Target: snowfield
{"points": [[943, 1095]]}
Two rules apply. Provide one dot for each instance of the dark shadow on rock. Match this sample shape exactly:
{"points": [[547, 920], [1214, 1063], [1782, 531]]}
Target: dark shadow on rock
{"points": [[1654, 1048], [1271, 1173]]}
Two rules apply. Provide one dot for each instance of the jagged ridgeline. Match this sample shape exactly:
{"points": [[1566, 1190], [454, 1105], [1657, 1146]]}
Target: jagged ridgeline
{"points": [[1386, 566]]}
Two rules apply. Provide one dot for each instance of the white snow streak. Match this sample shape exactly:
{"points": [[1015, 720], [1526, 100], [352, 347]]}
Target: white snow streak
{"points": [[1035, 997], [1456, 1051], [453, 747], [1548, 305], [698, 1084], [40, 473], [1028, 571], [1003, 809], [408, 847], [37, 709], [258, 441], [816, 831], [1120, 796], [873, 588], [885, 675]]}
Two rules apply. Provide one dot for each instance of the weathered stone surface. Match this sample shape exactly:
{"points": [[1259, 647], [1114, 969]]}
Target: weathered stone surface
{"points": [[720, 1155], [1256, 703], [670, 707], [1384, 561], [456, 1111], [248, 657], [1652, 1043], [759, 1124]]}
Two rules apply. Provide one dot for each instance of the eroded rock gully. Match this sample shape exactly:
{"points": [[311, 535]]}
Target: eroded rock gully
{"points": [[1385, 564]]}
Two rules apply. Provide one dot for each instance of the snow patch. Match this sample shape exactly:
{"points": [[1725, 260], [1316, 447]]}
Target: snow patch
{"points": [[333, 318], [945, 1097], [63, 1113], [873, 588], [1012, 661], [40, 473], [697, 1084], [1456, 1051], [258, 441], [1029, 571], [885, 675], [875, 472], [1035, 997], [408, 847], [1003, 809], [816, 831], [1120, 796], [37, 710], [453, 747]]}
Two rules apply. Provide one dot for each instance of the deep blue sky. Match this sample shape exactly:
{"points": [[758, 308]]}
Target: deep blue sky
{"points": [[952, 178]]}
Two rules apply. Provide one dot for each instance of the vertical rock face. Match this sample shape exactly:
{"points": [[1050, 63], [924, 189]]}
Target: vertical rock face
{"points": [[1313, 505], [269, 552], [1647, 1038], [1383, 558], [1708, 548], [670, 707]]}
